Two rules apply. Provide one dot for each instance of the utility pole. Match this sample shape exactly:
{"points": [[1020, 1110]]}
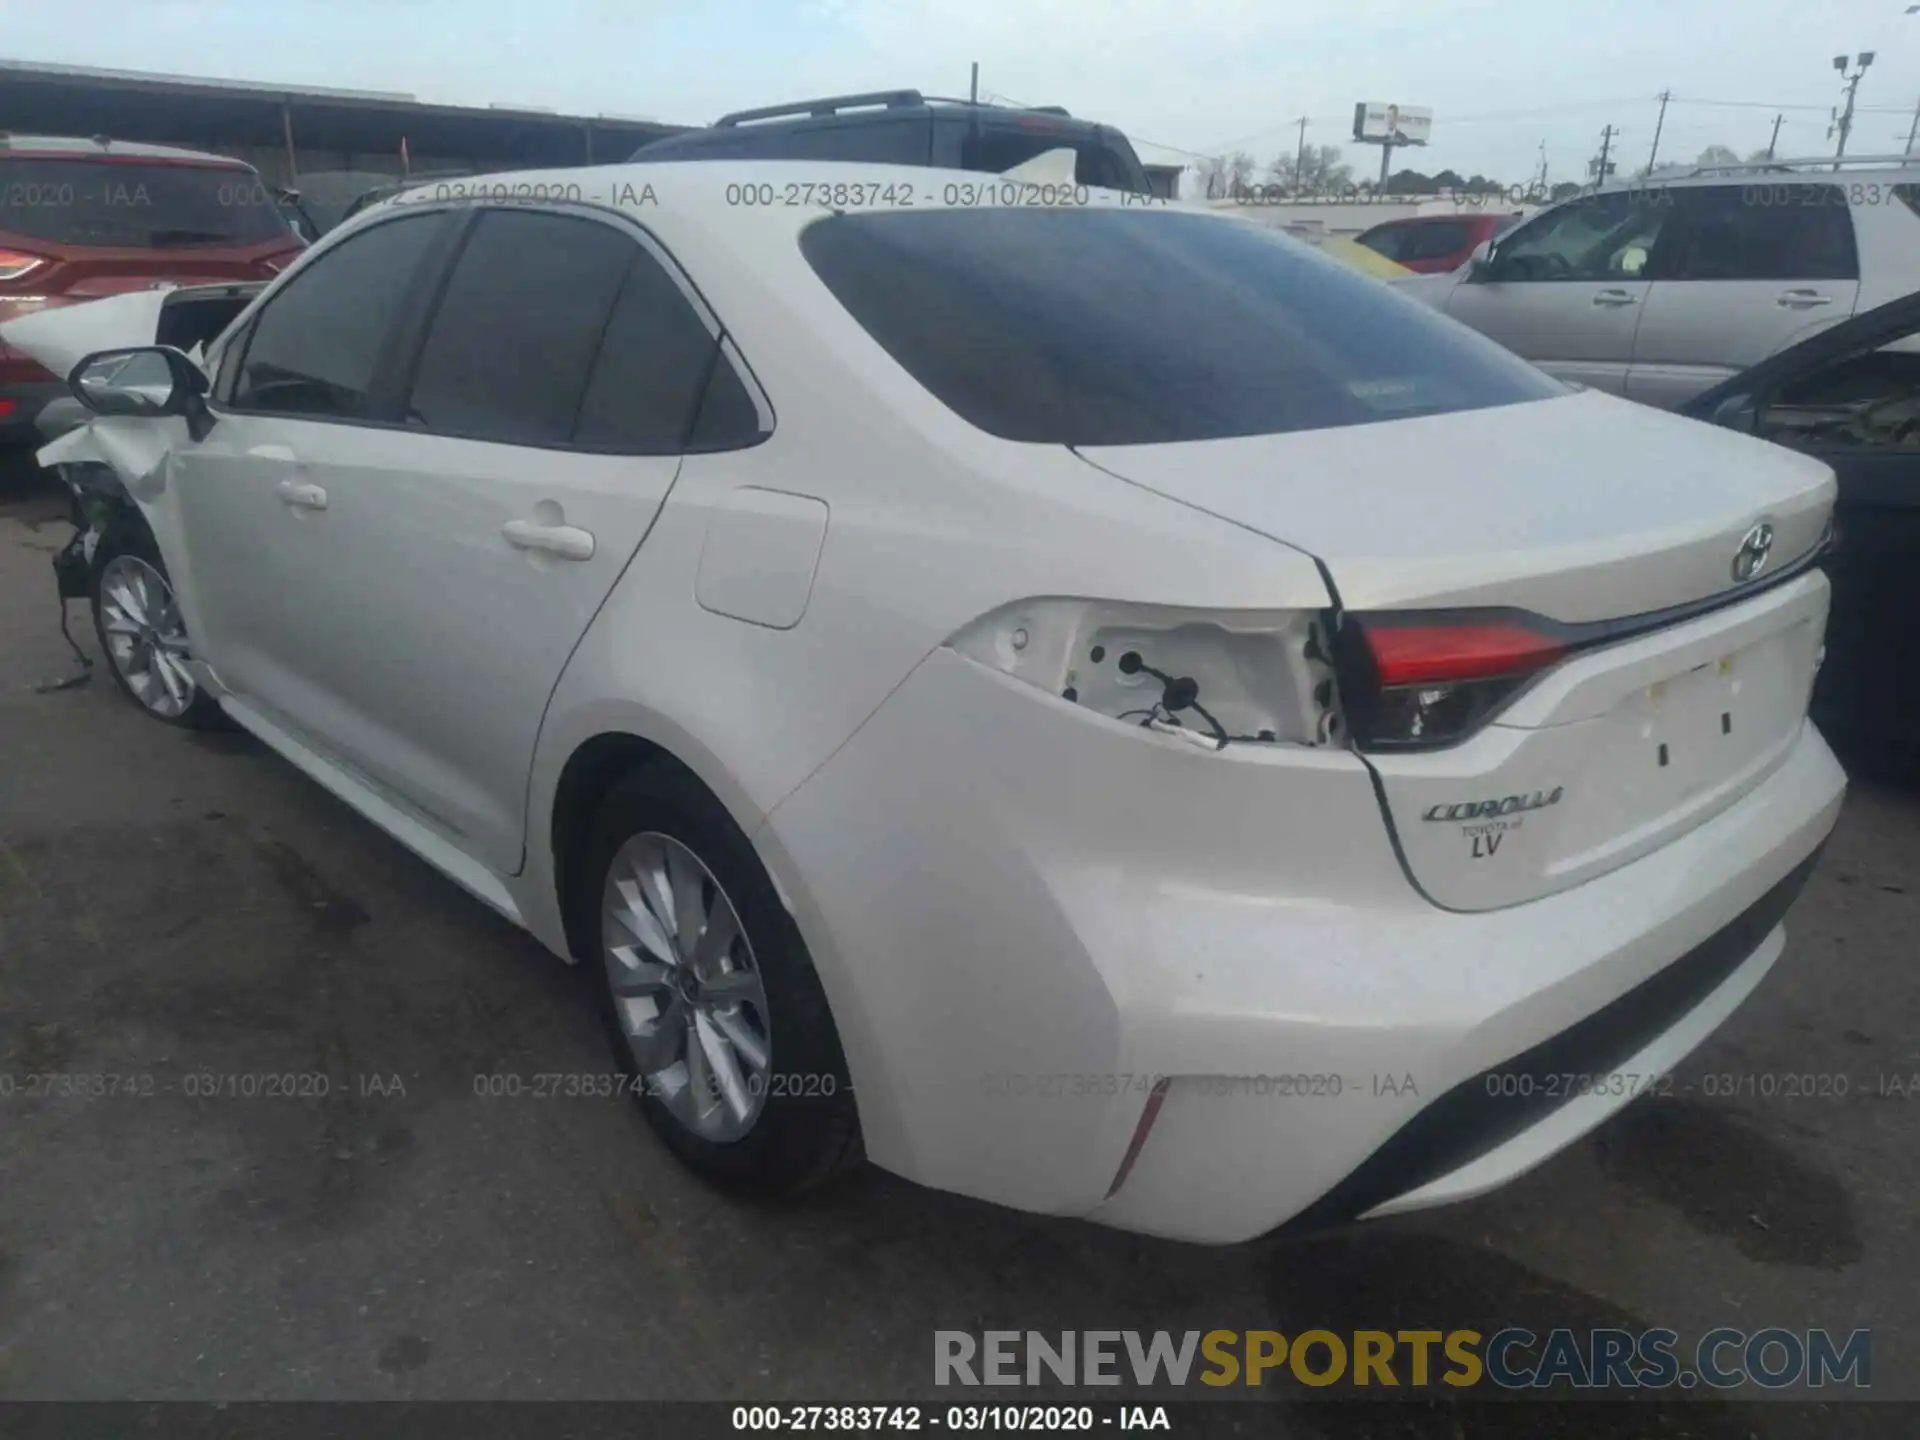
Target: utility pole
{"points": [[1606, 146], [973, 91], [1658, 125], [1300, 159], [1843, 122], [1775, 139], [1913, 129]]}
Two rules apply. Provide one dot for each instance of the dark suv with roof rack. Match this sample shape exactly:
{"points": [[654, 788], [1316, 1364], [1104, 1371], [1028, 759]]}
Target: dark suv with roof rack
{"points": [[904, 127], [85, 218]]}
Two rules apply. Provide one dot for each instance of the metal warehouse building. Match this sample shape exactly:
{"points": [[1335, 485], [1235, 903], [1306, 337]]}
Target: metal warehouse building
{"points": [[286, 132]]}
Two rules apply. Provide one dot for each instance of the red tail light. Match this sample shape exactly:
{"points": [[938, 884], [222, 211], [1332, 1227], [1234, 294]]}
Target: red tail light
{"points": [[15, 264], [1420, 681], [1419, 654]]}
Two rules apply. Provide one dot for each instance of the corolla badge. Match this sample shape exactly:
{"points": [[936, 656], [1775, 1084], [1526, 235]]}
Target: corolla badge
{"points": [[1751, 558], [1505, 805]]}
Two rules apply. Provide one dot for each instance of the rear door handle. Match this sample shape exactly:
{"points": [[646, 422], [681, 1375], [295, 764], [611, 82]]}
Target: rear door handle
{"points": [[1802, 299], [1614, 298], [569, 542], [301, 496]]}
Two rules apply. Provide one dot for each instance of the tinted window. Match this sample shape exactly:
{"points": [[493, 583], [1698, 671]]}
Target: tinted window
{"points": [[317, 345], [997, 150], [1765, 231], [91, 202], [883, 142], [507, 355], [1104, 326], [1437, 239], [1601, 237], [652, 363], [1392, 241], [1420, 239], [728, 417]]}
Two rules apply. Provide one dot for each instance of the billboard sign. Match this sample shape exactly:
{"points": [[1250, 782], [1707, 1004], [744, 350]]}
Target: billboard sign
{"points": [[1375, 124]]}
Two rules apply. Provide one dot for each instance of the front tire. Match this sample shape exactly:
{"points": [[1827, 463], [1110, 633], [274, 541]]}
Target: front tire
{"points": [[141, 632], [712, 1004]]}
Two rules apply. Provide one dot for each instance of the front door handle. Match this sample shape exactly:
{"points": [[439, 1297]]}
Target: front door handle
{"points": [[302, 497], [569, 542], [1802, 299], [1614, 298]]}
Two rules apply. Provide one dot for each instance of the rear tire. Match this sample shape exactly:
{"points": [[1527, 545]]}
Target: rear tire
{"points": [[729, 1044], [137, 621]]}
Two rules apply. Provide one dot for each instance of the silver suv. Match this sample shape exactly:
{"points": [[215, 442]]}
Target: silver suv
{"points": [[1658, 289]]}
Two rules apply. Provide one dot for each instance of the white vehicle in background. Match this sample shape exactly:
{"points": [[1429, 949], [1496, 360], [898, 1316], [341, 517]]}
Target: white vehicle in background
{"points": [[1256, 754], [1658, 289]]}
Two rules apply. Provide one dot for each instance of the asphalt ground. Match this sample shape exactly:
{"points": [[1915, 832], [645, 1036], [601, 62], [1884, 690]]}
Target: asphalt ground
{"points": [[176, 909]]}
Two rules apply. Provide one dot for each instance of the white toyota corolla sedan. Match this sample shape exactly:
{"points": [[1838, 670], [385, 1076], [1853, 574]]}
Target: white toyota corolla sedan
{"points": [[1088, 703]]}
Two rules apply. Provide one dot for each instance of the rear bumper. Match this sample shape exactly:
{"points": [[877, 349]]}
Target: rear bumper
{"points": [[1026, 917], [1489, 1128]]}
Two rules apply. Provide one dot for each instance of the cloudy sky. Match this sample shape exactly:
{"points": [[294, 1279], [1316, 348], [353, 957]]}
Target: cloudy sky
{"points": [[1502, 76]]}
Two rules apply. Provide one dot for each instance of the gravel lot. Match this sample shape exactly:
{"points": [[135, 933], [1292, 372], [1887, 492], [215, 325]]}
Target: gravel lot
{"points": [[175, 905]]}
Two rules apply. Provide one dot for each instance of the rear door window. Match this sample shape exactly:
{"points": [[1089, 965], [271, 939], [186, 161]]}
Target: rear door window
{"points": [[652, 363], [130, 205], [1110, 326], [507, 354], [1764, 231]]}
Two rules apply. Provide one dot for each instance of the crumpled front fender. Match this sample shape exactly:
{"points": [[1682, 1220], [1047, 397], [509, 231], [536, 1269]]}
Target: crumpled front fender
{"points": [[135, 448]]}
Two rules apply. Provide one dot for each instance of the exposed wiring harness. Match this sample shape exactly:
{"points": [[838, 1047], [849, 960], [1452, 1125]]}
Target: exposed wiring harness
{"points": [[1178, 693]]}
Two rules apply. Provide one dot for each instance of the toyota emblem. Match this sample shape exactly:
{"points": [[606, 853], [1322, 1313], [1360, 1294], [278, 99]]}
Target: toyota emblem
{"points": [[1751, 558]]}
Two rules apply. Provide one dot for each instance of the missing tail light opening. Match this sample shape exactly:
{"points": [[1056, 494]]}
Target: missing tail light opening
{"points": [[1211, 678]]}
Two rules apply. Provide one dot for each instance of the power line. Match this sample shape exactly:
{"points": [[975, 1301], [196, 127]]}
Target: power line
{"points": [[1666, 98]]}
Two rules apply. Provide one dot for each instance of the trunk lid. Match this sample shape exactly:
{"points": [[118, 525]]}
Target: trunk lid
{"points": [[1584, 510], [1581, 508]]}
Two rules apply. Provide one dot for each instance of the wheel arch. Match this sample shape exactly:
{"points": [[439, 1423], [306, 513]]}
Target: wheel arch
{"points": [[593, 762]]}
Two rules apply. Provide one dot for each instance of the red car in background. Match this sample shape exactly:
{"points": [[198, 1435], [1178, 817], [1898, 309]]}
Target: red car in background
{"points": [[80, 219], [1434, 244]]}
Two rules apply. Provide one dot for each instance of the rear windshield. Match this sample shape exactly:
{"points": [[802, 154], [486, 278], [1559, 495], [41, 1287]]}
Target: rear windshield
{"points": [[129, 204], [1131, 326]]}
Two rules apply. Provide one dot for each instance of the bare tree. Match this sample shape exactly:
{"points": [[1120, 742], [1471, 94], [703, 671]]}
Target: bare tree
{"points": [[1320, 169], [1718, 155]]}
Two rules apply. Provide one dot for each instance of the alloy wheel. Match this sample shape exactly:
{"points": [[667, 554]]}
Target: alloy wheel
{"points": [[686, 988], [146, 638]]}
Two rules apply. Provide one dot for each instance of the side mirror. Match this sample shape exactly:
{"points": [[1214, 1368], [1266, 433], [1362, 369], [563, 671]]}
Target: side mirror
{"points": [[1737, 412], [1480, 263], [140, 380]]}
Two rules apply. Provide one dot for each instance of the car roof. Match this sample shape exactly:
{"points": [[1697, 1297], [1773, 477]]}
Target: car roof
{"points": [[99, 147]]}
